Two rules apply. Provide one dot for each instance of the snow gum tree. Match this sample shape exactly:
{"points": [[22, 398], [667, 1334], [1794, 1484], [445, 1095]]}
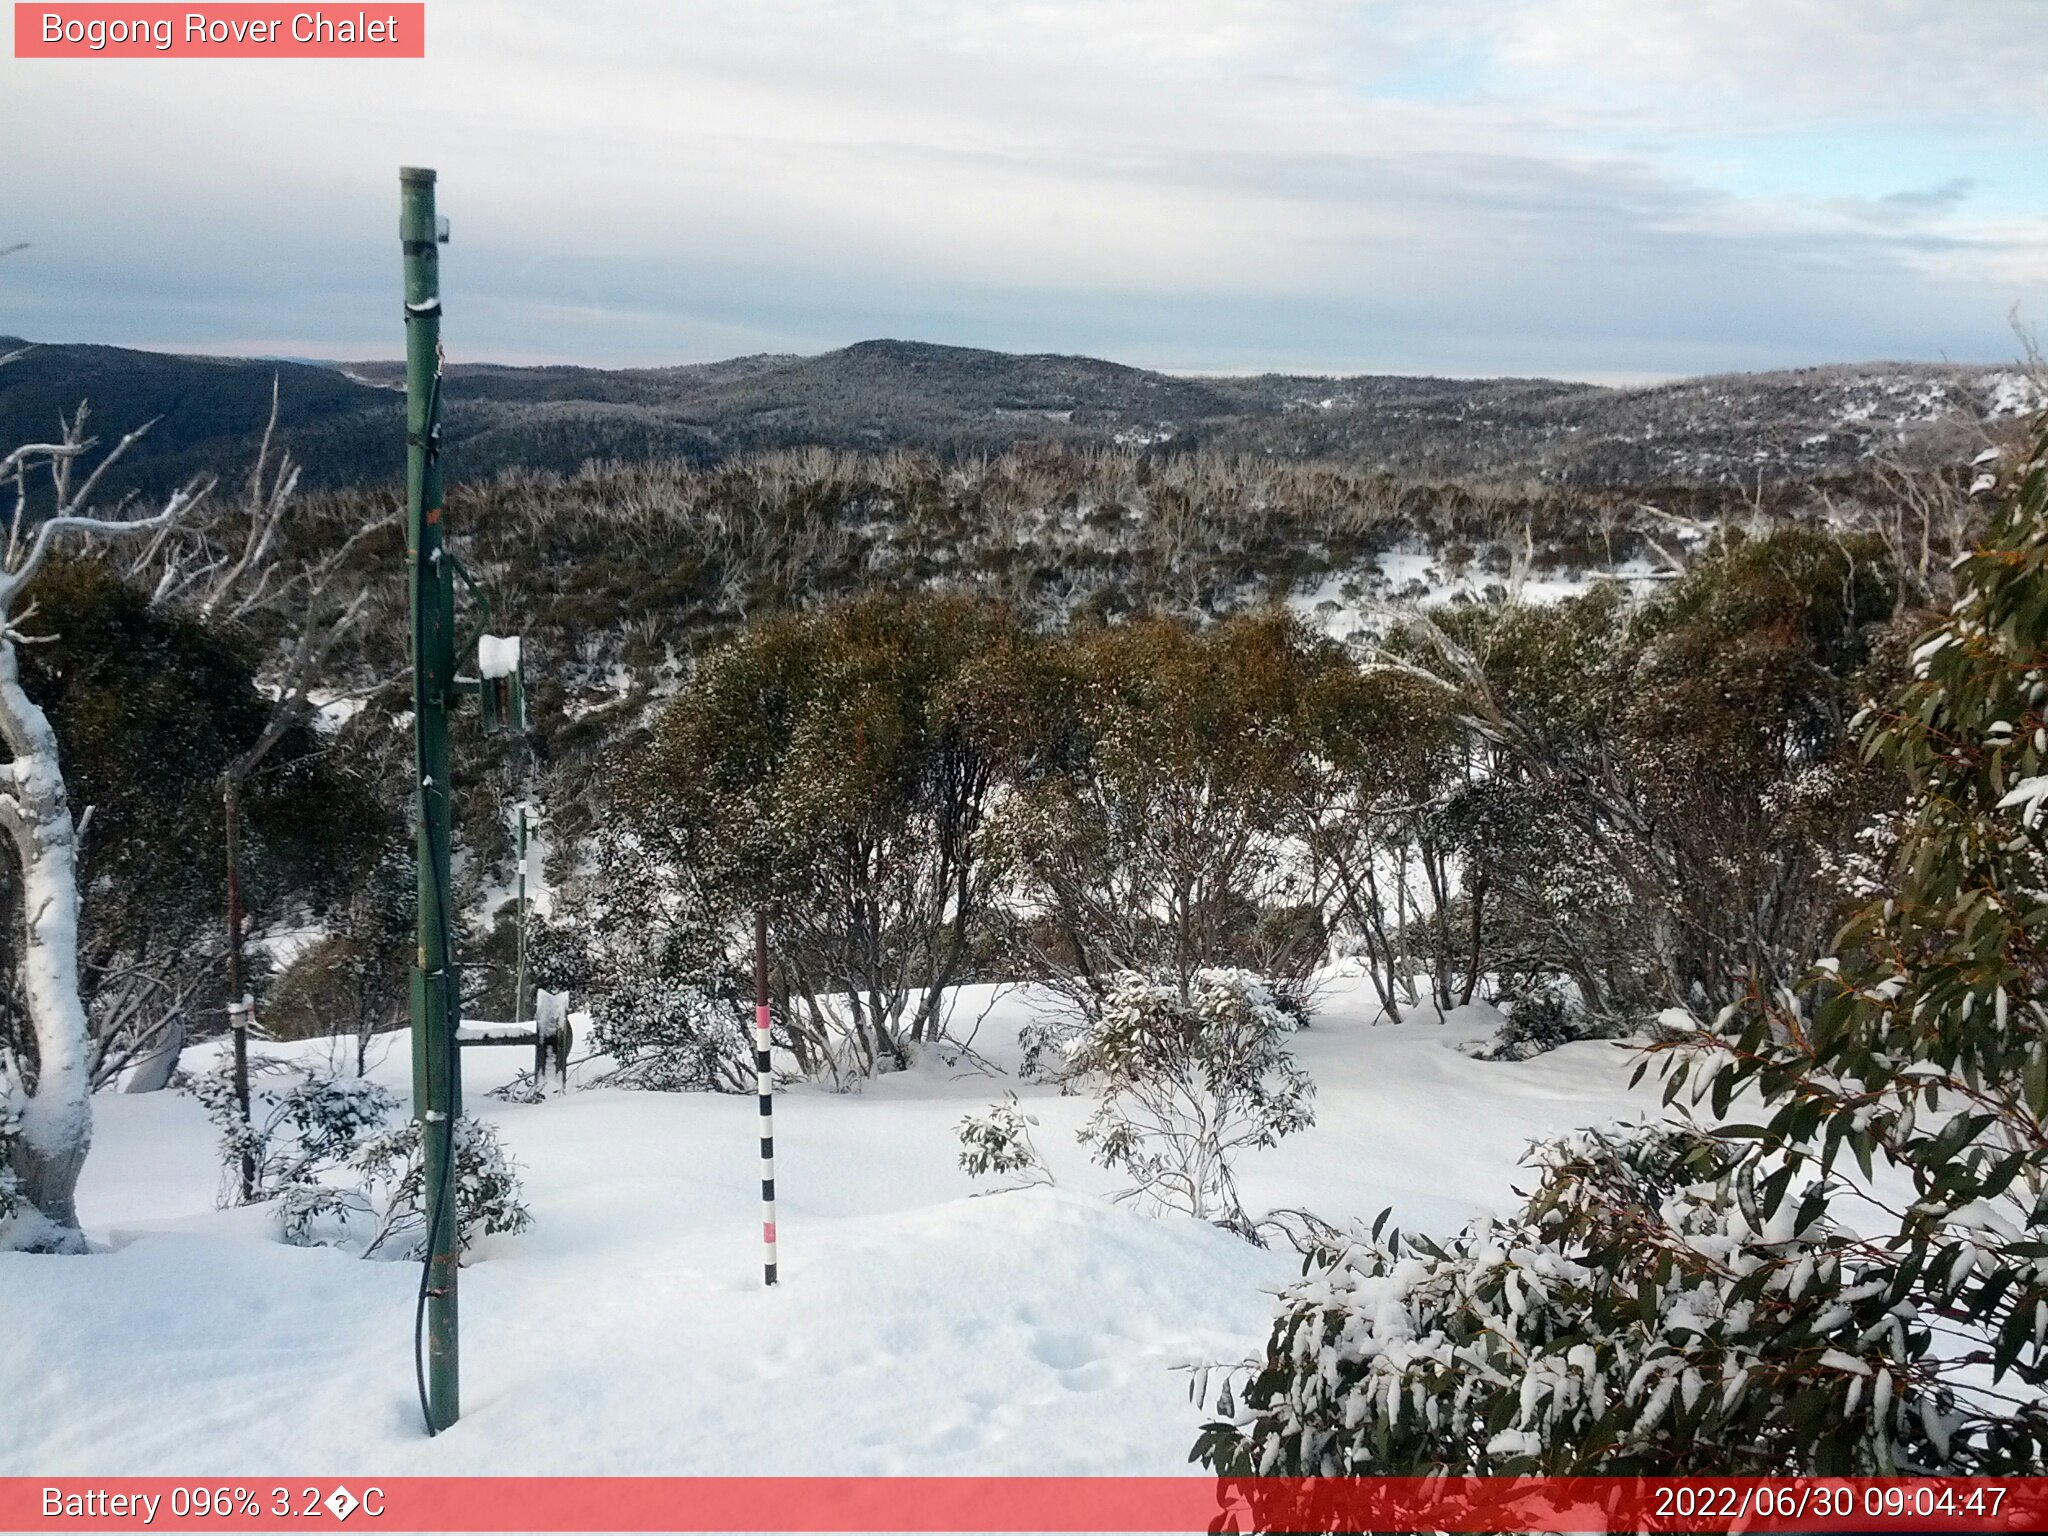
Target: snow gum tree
{"points": [[1667, 779], [841, 767], [52, 1093], [149, 705], [1158, 838], [1374, 816]]}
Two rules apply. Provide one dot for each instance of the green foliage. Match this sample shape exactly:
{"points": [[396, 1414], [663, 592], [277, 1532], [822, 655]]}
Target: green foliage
{"points": [[1670, 781], [338, 1173], [998, 1141], [1758, 1297], [295, 1134], [487, 1192], [1927, 1048], [838, 766], [1381, 807], [1658, 1307], [1155, 832], [1185, 1080], [149, 708]]}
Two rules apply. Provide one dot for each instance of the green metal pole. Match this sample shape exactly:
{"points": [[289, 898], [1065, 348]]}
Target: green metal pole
{"points": [[436, 1073]]}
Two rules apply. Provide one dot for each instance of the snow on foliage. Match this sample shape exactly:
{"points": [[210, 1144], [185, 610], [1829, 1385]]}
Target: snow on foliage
{"points": [[666, 1034], [997, 1140], [1734, 1297], [1184, 1082], [10, 1128], [342, 1176], [669, 1004], [1658, 1306], [293, 1135], [393, 1193]]}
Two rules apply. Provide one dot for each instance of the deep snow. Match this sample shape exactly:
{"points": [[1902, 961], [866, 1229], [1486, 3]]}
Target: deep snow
{"points": [[919, 1328]]}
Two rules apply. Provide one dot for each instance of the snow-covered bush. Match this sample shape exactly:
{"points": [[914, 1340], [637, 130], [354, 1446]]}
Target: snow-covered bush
{"points": [[1742, 1297], [657, 966], [393, 1193], [294, 1135], [1185, 1082], [1660, 1305], [997, 1140], [669, 1036], [340, 1173], [1539, 1018]]}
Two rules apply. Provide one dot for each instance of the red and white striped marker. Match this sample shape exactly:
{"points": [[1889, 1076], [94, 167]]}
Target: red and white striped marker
{"points": [[764, 1085]]}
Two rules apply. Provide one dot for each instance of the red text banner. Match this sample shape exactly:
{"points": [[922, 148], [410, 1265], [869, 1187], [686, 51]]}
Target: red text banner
{"points": [[234, 31], [976, 1504]]}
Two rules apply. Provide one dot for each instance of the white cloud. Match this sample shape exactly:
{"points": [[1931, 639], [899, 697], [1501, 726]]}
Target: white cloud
{"points": [[1529, 184]]}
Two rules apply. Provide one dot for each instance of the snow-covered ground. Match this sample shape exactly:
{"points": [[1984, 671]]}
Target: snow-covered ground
{"points": [[919, 1328], [1352, 605]]}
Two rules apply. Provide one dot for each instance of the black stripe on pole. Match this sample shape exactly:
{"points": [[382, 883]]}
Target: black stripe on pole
{"points": [[764, 1084]]}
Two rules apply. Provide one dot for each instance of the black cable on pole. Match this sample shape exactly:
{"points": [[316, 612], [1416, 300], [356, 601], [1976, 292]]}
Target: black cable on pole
{"points": [[438, 1199]]}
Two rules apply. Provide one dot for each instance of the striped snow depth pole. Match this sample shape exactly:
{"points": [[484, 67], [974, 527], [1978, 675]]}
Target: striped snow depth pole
{"points": [[764, 1084]]}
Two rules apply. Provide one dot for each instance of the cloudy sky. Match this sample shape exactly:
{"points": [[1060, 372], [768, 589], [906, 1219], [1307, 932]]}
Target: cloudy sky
{"points": [[1600, 189]]}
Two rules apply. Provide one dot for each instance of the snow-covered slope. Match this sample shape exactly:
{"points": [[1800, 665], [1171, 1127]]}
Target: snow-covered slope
{"points": [[918, 1328]]}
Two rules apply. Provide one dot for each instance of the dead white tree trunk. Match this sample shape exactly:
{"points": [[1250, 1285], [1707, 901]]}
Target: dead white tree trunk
{"points": [[55, 1131]]}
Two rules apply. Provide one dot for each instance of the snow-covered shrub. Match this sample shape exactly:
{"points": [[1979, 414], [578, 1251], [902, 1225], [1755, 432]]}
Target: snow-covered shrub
{"points": [[296, 1134], [393, 1193], [340, 1173], [997, 1140], [669, 1036], [658, 969], [1539, 1018], [1186, 1082], [1659, 1306]]}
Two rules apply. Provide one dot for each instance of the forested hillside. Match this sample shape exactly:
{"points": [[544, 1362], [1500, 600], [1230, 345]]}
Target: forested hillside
{"points": [[958, 402]]}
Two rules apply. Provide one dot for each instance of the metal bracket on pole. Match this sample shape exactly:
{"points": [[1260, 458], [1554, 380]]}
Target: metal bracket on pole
{"points": [[549, 1032]]}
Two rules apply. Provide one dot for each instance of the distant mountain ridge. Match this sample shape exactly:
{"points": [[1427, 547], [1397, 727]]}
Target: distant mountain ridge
{"points": [[343, 419]]}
